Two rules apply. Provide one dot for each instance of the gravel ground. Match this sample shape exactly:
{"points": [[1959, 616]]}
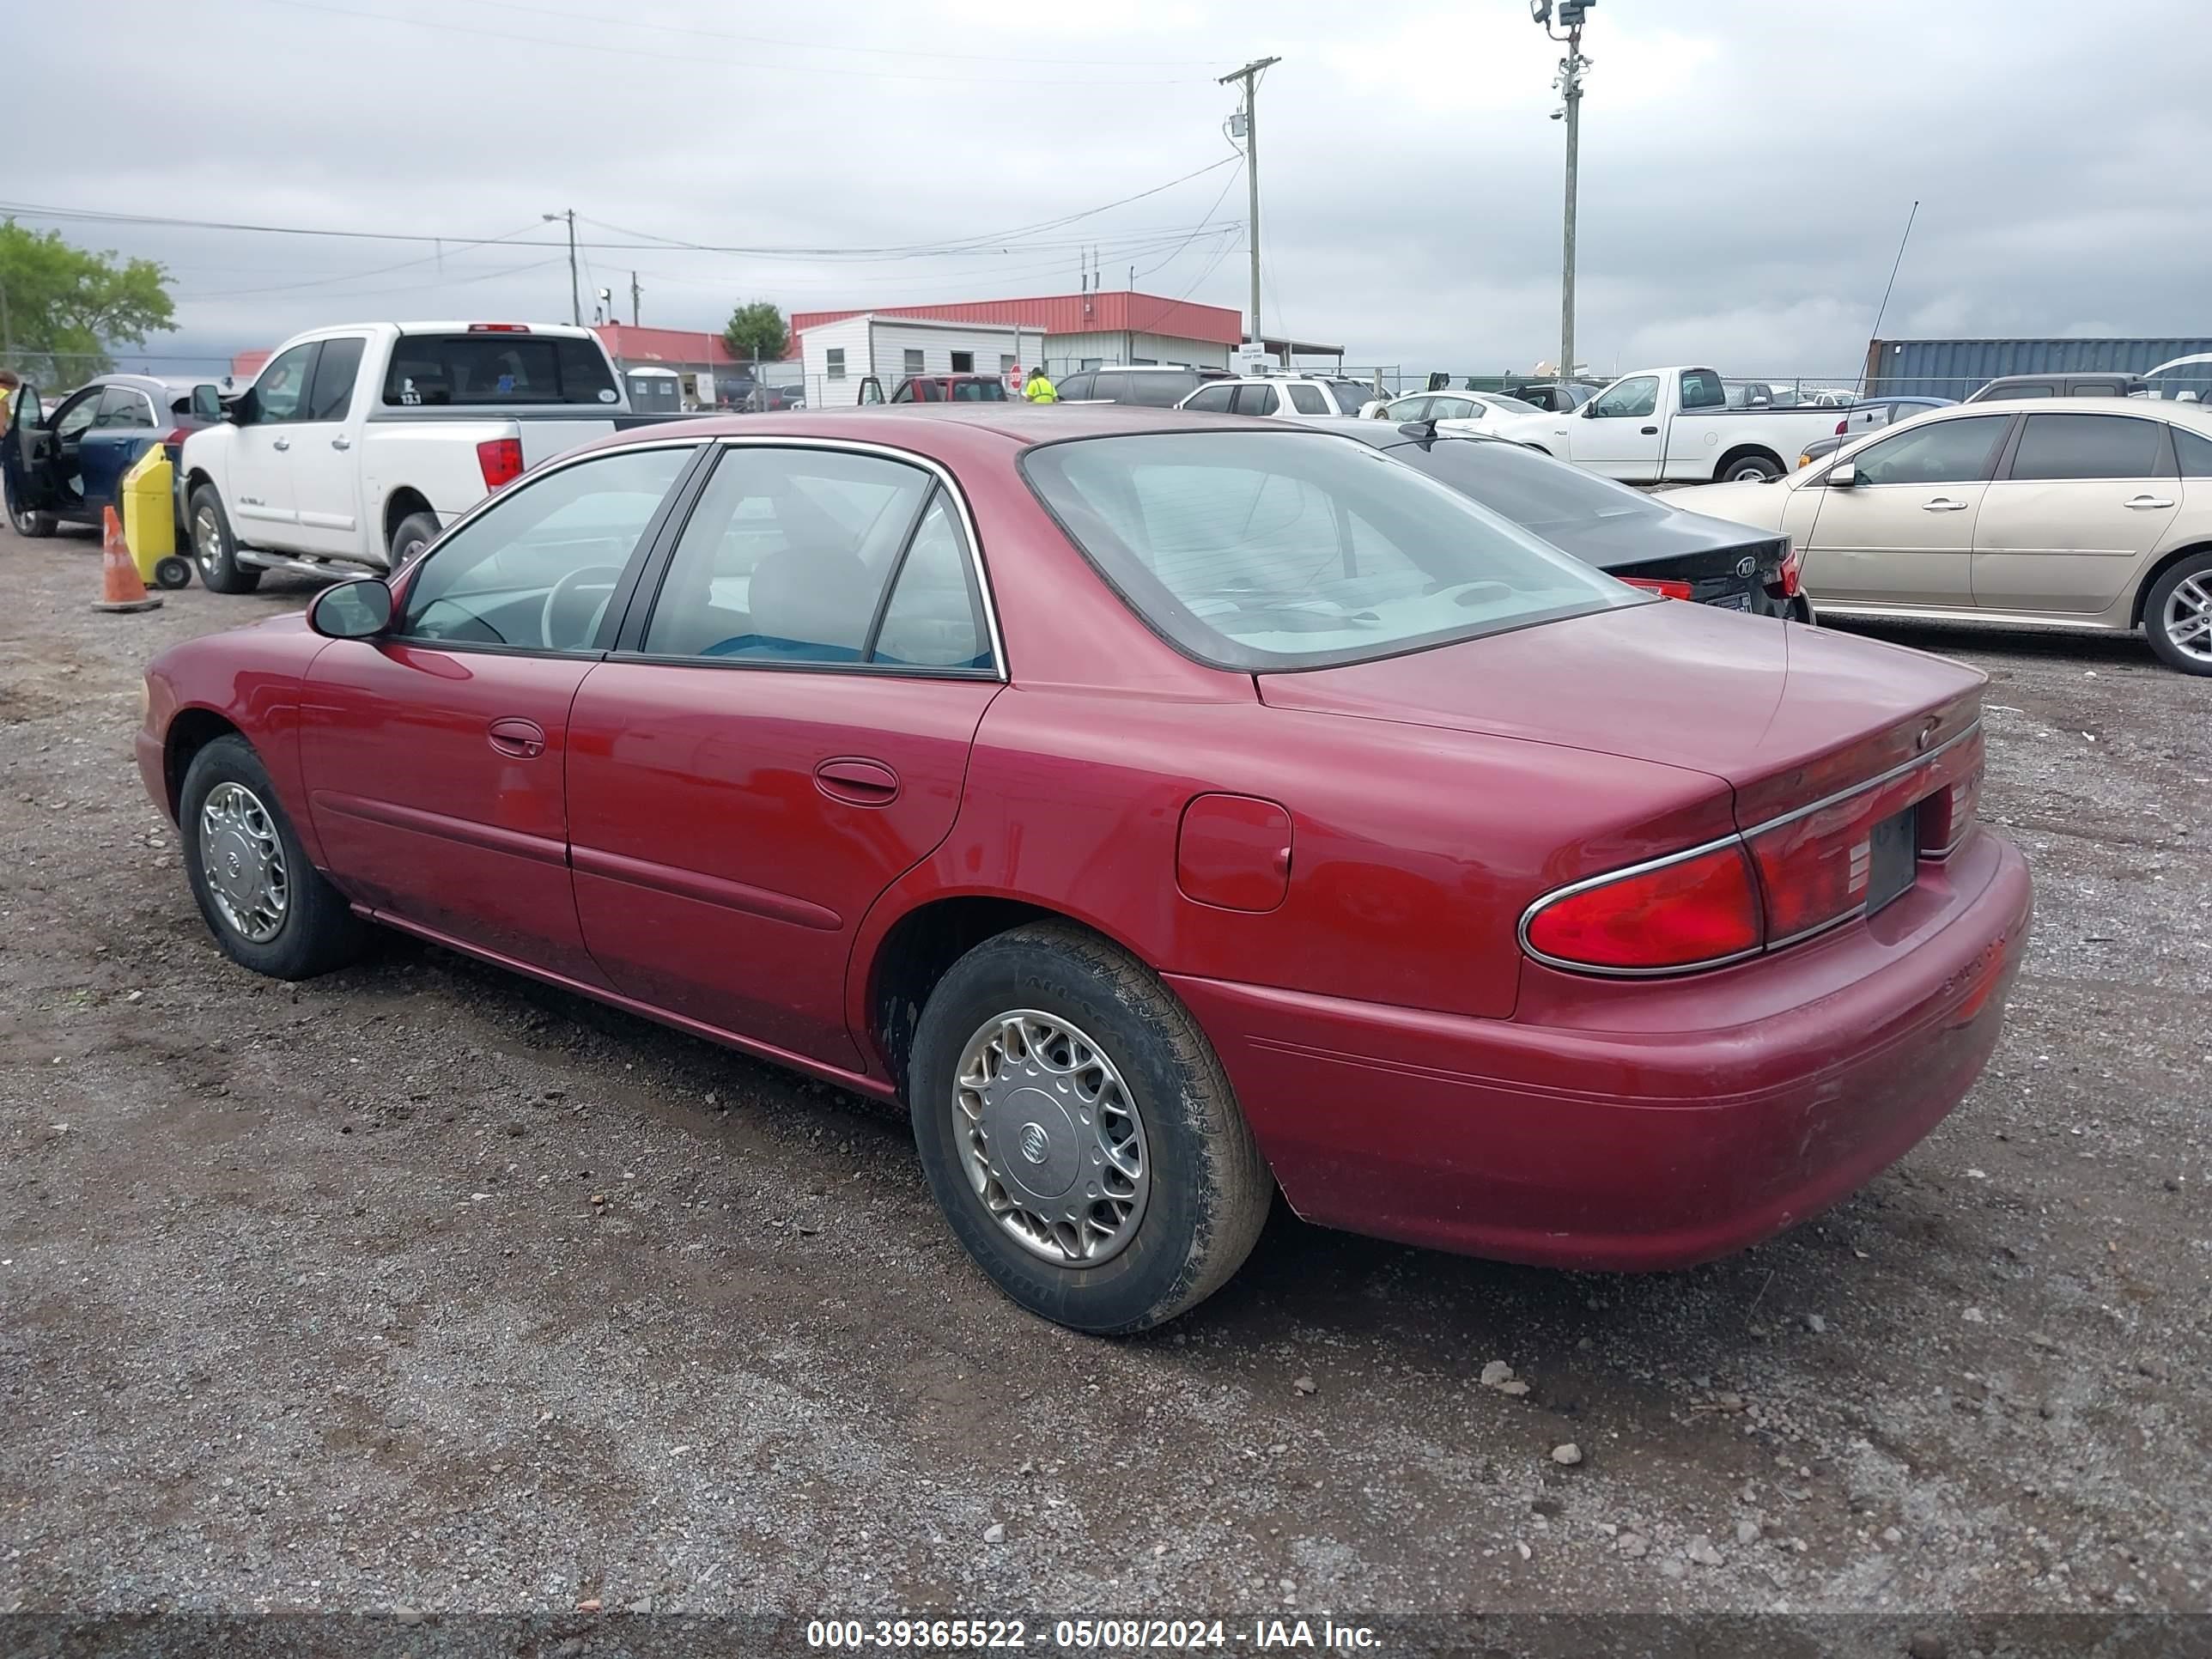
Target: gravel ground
{"points": [[308, 1299]]}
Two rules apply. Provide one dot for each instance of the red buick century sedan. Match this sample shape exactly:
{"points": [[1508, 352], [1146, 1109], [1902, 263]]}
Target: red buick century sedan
{"points": [[1167, 810]]}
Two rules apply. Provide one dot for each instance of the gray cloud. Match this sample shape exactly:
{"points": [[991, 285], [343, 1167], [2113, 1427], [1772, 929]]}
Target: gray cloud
{"points": [[1747, 168]]}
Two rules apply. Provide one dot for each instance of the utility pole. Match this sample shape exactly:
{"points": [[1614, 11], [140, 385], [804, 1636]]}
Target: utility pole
{"points": [[1249, 74], [576, 293], [1570, 84], [633, 292]]}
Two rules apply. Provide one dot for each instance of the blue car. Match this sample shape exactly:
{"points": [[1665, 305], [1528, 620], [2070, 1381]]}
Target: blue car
{"points": [[67, 467]]}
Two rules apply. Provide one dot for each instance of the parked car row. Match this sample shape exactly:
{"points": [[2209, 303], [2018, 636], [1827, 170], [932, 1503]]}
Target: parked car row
{"points": [[1123, 792]]}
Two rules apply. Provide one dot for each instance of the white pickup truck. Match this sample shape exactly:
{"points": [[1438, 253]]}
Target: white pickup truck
{"points": [[1681, 425], [355, 446]]}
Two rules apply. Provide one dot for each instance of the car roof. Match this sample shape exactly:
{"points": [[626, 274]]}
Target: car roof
{"points": [[942, 430]]}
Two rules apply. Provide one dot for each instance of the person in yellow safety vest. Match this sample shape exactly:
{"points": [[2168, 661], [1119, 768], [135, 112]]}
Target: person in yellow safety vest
{"points": [[10, 383], [1039, 390]]}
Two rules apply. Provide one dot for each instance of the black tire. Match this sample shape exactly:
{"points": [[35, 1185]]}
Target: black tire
{"points": [[1754, 465], [2196, 569], [410, 537], [214, 549], [1210, 1189], [318, 931], [173, 572], [32, 527]]}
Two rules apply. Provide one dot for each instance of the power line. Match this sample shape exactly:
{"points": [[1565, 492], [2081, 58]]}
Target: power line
{"points": [[602, 48], [360, 276]]}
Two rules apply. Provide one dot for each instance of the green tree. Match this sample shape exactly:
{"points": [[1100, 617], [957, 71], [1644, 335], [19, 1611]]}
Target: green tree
{"points": [[756, 332], [63, 306]]}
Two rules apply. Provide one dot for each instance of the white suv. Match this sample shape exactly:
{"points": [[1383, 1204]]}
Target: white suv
{"points": [[1292, 397]]}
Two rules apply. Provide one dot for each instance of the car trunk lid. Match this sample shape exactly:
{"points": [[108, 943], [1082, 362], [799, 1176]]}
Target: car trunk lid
{"points": [[1785, 716]]}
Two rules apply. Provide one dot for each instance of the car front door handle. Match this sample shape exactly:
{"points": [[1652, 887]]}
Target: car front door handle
{"points": [[523, 739], [1942, 504], [1649, 431], [2150, 501], [282, 443], [857, 781], [342, 442]]}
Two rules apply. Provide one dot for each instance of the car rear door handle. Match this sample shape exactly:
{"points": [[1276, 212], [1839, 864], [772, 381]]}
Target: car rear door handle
{"points": [[858, 781], [2150, 501], [1942, 504], [282, 443], [524, 740]]}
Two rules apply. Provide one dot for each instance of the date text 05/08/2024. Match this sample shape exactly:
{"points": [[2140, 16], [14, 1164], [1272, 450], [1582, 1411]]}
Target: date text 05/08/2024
{"points": [[1091, 1635]]}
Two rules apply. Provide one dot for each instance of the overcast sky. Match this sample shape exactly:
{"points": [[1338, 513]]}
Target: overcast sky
{"points": [[1747, 165]]}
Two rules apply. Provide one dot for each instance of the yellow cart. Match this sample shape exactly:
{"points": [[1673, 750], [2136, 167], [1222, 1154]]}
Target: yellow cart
{"points": [[149, 522]]}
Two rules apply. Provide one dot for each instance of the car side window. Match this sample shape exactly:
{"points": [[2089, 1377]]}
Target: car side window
{"points": [[1702, 389], [76, 415], [1631, 400], [1411, 408], [1113, 387], [123, 405], [1160, 389], [1214, 400], [1074, 386], [329, 394], [537, 569], [935, 618], [2195, 451], [1253, 398], [2090, 446], [1307, 400], [279, 388], [1940, 451], [786, 557]]}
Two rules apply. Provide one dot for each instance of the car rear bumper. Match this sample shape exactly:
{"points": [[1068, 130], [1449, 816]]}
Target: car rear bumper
{"points": [[1635, 1126]]}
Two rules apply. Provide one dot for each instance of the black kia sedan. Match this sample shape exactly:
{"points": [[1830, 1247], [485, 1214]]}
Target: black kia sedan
{"points": [[1636, 538]]}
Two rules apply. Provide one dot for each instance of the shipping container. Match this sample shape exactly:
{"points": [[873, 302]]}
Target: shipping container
{"points": [[1955, 368]]}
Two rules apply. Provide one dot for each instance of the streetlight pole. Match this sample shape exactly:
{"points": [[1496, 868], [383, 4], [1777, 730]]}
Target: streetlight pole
{"points": [[576, 293], [1250, 75], [1570, 84]]}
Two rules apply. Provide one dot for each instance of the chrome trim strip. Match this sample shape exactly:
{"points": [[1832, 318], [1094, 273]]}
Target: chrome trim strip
{"points": [[938, 469], [1649, 865], [1742, 839], [1875, 782]]}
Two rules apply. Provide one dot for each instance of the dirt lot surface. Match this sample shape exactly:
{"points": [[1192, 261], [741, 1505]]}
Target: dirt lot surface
{"points": [[305, 1301]]}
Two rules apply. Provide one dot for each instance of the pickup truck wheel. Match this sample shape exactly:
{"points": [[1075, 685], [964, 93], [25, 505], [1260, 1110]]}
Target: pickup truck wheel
{"points": [[411, 536], [214, 550], [1757, 467], [32, 527], [2177, 614], [268, 907], [1079, 1133]]}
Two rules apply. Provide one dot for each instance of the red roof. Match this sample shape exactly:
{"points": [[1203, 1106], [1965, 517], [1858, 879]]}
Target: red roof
{"points": [[633, 344], [1111, 311], [247, 364]]}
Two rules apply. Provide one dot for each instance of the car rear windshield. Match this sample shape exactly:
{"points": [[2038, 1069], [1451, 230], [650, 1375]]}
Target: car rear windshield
{"points": [[1258, 551], [464, 371], [1535, 491]]}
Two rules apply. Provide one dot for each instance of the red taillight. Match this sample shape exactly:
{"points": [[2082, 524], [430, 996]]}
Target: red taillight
{"points": [[1664, 587], [499, 328], [1948, 814], [1692, 913], [501, 461], [1789, 578], [1815, 869], [1843, 426]]}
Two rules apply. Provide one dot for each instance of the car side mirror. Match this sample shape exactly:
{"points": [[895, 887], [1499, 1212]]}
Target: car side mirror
{"points": [[207, 402], [1843, 476], [357, 610]]}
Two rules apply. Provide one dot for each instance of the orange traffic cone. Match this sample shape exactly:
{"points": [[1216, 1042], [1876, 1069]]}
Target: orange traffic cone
{"points": [[120, 588]]}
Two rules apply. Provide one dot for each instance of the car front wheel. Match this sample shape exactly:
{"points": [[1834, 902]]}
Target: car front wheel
{"points": [[1079, 1133], [268, 907], [26, 524], [213, 549]]}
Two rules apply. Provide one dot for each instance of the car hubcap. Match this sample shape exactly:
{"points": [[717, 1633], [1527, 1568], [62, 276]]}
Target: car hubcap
{"points": [[2188, 619], [243, 860], [207, 541], [1051, 1140]]}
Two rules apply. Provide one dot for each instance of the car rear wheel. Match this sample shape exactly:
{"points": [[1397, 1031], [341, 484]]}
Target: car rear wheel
{"points": [[268, 907], [1080, 1134], [2177, 614], [214, 550], [1758, 468], [410, 537]]}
